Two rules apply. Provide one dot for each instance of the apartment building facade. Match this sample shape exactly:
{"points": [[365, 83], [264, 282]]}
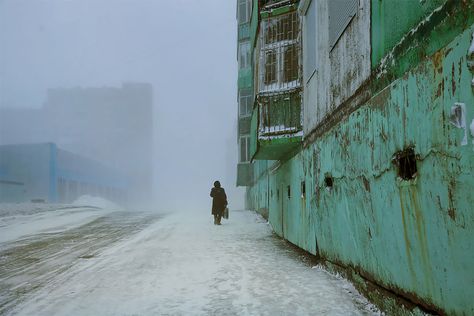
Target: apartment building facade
{"points": [[361, 141]]}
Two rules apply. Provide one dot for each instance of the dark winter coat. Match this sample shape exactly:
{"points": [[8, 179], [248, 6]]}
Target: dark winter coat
{"points": [[219, 201]]}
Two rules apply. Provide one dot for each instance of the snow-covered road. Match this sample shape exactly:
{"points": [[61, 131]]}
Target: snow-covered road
{"points": [[178, 264]]}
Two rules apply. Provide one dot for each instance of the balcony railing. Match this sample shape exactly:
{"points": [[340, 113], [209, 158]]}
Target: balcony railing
{"points": [[276, 124], [272, 4], [279, 54], [276, 127], [280, 114]]}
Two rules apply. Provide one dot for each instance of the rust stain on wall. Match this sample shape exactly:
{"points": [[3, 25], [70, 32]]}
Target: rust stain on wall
{"points": [[451, 208], [453, 80]]}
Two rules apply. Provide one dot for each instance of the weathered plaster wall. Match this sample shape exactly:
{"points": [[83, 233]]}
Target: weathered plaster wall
{"points": [[413, 237], [340, 71], [350, 58], [315, 104]]}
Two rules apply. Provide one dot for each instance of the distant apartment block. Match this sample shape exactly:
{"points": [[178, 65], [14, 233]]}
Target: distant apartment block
{"points": [[113, 125], [44, 172]]}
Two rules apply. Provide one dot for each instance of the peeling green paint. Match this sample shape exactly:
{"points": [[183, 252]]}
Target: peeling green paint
{"points": [[413, 238], [389, 28], [427, 38]]}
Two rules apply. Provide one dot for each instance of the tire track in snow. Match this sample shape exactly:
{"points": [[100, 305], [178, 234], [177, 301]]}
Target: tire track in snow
{"points": [[28, 264]]}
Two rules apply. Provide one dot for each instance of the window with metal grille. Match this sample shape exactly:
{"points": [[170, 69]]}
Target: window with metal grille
{"points": [[270, 67], [280, 53], [341, 13], [291, 62], [280, 113]]}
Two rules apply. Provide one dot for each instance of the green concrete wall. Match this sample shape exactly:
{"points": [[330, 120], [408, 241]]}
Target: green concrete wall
{"points": [[389, 28], [254, 22], [245, 78], [412, 237], [244, 174]]}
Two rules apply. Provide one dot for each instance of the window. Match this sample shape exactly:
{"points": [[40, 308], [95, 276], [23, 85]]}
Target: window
{"points": [[310, 41], [291, 64], [244, 55], [270, 68], [244, 11], [245, 102], [244, 148], [279, 53], [341, 13]]}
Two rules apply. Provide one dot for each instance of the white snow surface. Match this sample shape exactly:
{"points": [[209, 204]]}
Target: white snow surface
{"points": [[185, 265], [95, 201], [19, 220]]}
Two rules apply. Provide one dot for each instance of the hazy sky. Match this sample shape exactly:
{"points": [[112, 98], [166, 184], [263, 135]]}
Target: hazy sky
{"points": [[185, 48]]}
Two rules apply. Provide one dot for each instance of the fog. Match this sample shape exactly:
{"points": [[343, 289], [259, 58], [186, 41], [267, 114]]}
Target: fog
{"points": [[61, 58]]}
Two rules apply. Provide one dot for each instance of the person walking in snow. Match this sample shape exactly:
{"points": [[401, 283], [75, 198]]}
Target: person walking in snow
{"points": [[219, 202]]}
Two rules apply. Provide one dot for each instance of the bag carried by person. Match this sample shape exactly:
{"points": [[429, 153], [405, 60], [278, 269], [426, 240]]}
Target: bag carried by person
{"points": [[226, 213]]}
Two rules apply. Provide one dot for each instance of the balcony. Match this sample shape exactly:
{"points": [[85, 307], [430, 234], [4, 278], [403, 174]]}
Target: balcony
{"points": [[276, 127]]}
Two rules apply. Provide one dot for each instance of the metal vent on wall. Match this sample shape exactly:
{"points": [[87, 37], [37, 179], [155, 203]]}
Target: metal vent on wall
{"points": [[341, 13]]}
